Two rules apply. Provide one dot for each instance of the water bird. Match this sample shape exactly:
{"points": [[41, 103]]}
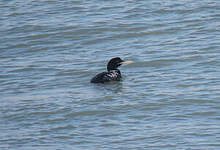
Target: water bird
{"points": [[113, 73]]}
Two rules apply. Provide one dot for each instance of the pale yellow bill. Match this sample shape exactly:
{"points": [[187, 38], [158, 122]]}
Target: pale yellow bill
{"points": [[127, 62]]}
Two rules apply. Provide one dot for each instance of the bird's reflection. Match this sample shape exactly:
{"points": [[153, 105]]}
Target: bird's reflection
{"points": [[110, 88]]}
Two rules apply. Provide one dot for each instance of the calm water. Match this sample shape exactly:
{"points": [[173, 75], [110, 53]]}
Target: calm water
{"points": [[169, 97]]}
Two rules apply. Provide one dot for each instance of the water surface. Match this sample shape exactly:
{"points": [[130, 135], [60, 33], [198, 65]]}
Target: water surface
{"points": [[168, 99]]}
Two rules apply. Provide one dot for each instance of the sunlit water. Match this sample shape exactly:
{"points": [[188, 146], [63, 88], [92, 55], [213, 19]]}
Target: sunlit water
{"points": [[169, 97]]}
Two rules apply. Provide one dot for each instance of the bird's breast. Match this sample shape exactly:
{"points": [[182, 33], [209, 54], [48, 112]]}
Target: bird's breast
{"points": [[114, 75]]}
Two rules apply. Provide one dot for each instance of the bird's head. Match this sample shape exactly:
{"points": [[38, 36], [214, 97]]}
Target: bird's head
{"points": [[114, 63]]}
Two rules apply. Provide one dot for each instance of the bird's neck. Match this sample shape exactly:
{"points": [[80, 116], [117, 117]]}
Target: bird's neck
{"points": [[115, 70]]}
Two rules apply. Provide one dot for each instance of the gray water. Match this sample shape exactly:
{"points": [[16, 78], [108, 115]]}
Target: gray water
{"points": [[169, 97]]}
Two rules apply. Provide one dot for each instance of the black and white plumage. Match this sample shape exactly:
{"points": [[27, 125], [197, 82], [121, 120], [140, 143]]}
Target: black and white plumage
{"points": [[113, 73]]}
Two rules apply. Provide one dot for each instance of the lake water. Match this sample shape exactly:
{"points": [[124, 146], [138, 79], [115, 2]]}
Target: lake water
{"points": [[169, 97]]}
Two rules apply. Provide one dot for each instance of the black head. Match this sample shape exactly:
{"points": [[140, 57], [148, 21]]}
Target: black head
{"points": [[114, 63]]}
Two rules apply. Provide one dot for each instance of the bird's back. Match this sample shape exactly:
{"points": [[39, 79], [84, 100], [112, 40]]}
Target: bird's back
{"points": [[103, 77]]}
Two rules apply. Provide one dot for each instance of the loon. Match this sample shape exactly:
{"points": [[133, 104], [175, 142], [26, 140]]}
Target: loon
{"points": [[113, 73]]}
